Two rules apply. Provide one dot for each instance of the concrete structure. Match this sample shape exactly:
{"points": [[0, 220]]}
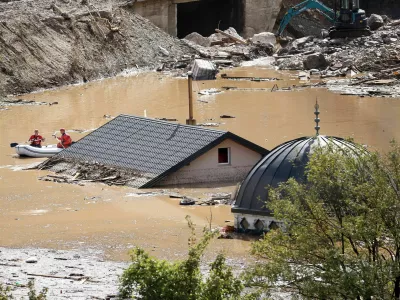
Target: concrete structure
{"points": [[287, 160], [181, 17]]}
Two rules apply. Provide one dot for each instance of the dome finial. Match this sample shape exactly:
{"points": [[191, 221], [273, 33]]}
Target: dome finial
{"points": [[316, 106]]}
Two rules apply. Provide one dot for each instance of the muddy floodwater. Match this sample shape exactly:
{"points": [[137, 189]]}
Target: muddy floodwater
{"points": [[35, 213]]}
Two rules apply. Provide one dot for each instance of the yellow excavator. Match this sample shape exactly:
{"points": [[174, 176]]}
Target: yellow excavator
{"points": [[348, 19]]}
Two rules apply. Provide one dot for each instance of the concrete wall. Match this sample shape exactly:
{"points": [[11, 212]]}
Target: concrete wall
{"points": [[205, 169], [161, 13], [260, 15], [251, 221]]}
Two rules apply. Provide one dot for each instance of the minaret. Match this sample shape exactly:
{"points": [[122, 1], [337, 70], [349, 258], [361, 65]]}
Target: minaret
{"points": [[316, 106]]}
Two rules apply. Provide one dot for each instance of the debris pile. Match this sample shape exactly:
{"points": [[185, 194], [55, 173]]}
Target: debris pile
{"points": [[375, 56], [228, 48], [74, 172]]}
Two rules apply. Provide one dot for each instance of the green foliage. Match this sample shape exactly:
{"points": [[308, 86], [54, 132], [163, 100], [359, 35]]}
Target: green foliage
{"points": [[32, 292], [5, 293], [149, 278], [341, 237]]}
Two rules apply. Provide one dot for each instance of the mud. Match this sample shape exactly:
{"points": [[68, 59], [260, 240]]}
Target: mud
{"points": [[44, 44], [66, 274], [113, 219]]}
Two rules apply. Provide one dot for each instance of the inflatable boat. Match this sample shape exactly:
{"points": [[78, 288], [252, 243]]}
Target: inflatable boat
{"points": [[45, 151]]}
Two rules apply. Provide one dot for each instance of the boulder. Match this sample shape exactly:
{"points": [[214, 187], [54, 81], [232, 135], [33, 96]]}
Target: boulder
{"points": [[315, 61], [291, 63], [198, 39], [299, 43], [375, 21], [264, 38], [32, 260], [218, 36]]}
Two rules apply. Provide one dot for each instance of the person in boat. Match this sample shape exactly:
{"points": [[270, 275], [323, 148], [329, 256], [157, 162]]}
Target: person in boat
{"points": [[36, 139], [64, 140]]}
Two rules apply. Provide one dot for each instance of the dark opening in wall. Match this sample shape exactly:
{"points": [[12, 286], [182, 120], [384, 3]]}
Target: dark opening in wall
{"points": [[205, 15]]}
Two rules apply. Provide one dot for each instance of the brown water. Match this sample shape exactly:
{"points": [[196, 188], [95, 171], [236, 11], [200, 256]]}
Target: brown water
{"points": [[45, 214]]}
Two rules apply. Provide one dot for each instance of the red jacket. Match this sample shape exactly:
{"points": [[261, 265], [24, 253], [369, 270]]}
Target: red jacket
{"points": [[65, 140], [35, 139]]}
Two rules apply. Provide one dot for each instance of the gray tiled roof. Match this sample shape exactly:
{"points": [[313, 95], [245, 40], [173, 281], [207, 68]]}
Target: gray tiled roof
{"points": [[152, 148]]}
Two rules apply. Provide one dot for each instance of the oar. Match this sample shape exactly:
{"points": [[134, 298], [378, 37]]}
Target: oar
{"points": [[55, 136]]}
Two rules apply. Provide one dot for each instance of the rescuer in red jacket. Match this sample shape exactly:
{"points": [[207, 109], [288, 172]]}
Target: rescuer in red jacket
{"points": [[36, 139], [65, 139]]}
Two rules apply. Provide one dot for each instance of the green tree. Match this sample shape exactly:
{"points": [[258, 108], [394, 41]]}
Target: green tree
{"points": [[5, 293], [149, 278], [341, 233]]}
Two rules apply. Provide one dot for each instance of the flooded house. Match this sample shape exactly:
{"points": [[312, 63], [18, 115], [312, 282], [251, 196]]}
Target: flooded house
{"points": [[146, 152]]}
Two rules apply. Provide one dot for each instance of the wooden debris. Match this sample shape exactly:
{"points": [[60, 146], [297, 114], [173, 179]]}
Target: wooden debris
{"points": [[258, 79], [227, 117], [57, 277], [167, 119]]}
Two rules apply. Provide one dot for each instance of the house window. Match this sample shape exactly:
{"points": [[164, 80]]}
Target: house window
{"points": [[223, 156]]}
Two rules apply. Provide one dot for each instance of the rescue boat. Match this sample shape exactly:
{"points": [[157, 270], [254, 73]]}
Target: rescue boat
{"points": [[45, 151]]}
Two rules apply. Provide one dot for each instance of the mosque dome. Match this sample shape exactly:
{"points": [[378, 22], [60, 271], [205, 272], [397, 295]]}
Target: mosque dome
{"points": [[287, 160]]}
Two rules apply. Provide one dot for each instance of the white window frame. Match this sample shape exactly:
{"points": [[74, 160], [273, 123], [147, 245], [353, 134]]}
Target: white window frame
{"points": [[229, 156]]}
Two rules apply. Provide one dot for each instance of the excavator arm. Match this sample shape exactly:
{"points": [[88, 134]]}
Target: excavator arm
{"points": [[301, 7]]}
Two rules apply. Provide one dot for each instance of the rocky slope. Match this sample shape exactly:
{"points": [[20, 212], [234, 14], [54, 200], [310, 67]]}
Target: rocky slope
{"points": [[50, 43]]}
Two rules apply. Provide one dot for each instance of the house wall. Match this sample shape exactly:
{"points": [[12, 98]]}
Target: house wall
{"points": [[205, 169]]}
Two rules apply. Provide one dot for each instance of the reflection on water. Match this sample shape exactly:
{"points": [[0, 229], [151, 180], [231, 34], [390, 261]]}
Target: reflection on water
{"points": [[65, 216]]}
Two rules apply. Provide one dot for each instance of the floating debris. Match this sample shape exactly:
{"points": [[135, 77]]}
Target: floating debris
{"points": [[211, 91], [257, 79], [209, 124]]}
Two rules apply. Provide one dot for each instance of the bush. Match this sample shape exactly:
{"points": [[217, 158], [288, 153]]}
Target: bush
{"points": [[5, 292], [149, 278]]}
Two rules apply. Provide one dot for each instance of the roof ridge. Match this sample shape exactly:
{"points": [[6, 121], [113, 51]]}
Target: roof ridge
{"points": [[169, 123]]}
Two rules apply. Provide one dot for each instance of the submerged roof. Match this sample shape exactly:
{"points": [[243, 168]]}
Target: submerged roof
{"points": [[152, 148], [287, 160]]}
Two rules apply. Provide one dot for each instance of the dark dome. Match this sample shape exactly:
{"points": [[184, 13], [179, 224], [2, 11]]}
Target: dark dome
{"points": [[283, 162]]}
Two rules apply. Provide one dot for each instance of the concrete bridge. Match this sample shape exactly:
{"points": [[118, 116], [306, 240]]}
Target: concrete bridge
{"points": [[181, 17]]}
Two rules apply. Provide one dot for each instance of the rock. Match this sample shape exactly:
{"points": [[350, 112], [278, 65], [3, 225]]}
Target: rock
{"points": [[336, 41], [198, 39], [299, 43], [324, 33], [389, 40], [264, 38], [315, 61], [291, 63], [371, 43], [32, 260], [283, 51], [219, 37], [163, 51], [375, 21]]}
